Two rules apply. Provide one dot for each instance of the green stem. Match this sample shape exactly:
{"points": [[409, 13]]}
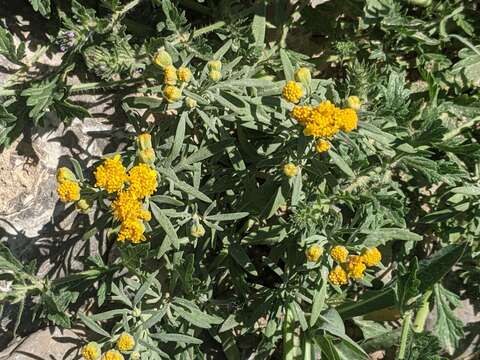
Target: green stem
{"points": [[288, 335], [422, 313], [307, 349], [407, 319]]}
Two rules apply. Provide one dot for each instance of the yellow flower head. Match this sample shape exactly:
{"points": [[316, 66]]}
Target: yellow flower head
{"points": [[371, 257], [68, 191], [91, 351], [191, 103], [169, 75], [356, 267], [215, 75], [184, 74], [144, 141], [132, 230], [322, 146], [112, 355], [290, 170], [338, 276], [197, 230], [339, 253], [64, 174], [111, 175], [125, 342], [172, 93], [147, 155], [354, 103], [301, 114], [292, 92], [127, 206], [162, 58], [314, 253], [347, 119], [143, 180], [303, 75], [322, 121], [215, 65]]}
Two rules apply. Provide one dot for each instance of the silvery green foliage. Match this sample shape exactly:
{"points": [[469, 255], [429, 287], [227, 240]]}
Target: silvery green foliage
{"points": [[405, 181]]}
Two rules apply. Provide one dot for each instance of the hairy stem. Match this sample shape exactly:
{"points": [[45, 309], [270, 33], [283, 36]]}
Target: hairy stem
{"points": [[407, 319]]}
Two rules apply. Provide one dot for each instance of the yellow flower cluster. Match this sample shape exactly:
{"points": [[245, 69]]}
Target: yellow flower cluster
{"points": [[125, 342], [314, 253], [111, 175], [131, 189], [91, 351], [143, 180], [352, 266], [292, 92], [68, 189]]}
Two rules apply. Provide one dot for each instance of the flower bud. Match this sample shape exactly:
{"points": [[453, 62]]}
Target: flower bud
{"points": [[172, 93], [303, 75], [191, 103], [137, 312], [184, 74], [314, 253], [354, 103], [135, 355], [290, 169], [322, 146], [214, 65], [162, 58], [197, 230], [64, 174], [215, 75], [147, 156], [144, 141], [169, 75]]}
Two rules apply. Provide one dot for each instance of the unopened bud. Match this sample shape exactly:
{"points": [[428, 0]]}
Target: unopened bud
{"points": [[215, 75], [64, 174], [191, 103], [303, 75], [214, 65], [162, 58]]}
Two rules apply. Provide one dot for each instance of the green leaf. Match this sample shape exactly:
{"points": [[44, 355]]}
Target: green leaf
{"points": [[185, 187], [382, 236], [259, 25], [155, 318], [144, 288], [448, 328], [318, 303], [179, 137], [41, 6], [342, 165], [7, 46], [166, 224], [227, 217], [467, 190], [287, 65], [177, 338], [407, 284], [240, 256], [92, 325]]}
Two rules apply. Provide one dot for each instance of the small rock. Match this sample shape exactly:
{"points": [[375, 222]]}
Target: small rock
{"points": [[51, 343]]}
